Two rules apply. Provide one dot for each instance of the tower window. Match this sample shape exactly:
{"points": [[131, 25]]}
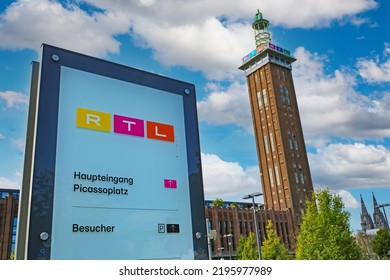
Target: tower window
{"points": [[265, 97], [259, 100], [271, 137], [277, 176], [296, 173], [295, 142], [271, 177], [301, 174], [266, 144], [287, 97], [289, 139], [282, 95], [283, 76]]}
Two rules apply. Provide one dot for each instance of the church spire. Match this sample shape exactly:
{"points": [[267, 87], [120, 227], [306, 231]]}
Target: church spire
{"points": [[365, 218], [379, 218]]}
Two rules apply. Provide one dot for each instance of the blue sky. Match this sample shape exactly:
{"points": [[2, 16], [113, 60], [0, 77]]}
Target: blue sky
{"points": [[342, 79]]}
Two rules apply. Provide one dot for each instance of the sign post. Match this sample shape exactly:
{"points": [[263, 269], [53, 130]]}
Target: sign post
{"points": [[116, 169]]}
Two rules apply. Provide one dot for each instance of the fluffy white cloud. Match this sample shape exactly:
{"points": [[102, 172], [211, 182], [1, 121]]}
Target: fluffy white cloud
{"points": [[212, 36], [373, 70], [2, 136], [28, 24], [348, 199], [330, 106], [6, 183], [315, 13], [230, 106], [290, 13], [343, 166], [210, 46], [223, 179], [205, 35], [13, 99]]}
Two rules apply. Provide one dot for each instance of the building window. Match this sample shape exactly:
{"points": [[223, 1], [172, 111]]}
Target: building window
{"points": [[278, 71], [13, 240], [295, 141], [271, 177], [296, 173], [259, 100], [282, 96], [271, 137], [289, 139], [287, 97], [283, 76], [265, 97], [266, 144], [301, 174], [277, 176]]}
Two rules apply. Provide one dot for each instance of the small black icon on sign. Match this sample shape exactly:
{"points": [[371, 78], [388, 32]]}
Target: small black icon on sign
{"points": [[161, 228], [173, 228]]}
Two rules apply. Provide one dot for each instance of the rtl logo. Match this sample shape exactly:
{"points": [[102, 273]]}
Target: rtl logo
{"points": [[96, 120]]}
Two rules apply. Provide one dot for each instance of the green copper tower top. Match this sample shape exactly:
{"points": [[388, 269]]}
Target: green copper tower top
{"points": [[260, 26], [265, 51]]}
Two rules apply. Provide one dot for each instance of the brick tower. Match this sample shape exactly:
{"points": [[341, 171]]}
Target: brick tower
{"points": [[284, 168]]}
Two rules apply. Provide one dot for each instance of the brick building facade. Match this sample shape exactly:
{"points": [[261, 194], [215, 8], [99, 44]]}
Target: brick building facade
{"points": [[9, 203], [237, 219]]}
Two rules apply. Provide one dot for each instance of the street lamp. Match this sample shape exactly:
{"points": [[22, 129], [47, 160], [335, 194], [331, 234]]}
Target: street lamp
{"points": [[221, 254], [229, 243], [384, 211], [258, 239]]}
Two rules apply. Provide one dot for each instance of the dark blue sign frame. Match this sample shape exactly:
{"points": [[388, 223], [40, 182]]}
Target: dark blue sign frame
{"points": [[44, 162]]}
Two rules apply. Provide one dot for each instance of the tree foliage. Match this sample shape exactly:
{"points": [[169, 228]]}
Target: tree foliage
{"points": [[325, 232], [218, 202], [247, 249], [240, 247], [272, 248], [381, 243]]}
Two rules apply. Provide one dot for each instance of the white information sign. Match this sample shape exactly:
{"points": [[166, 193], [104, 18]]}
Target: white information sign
{"points": [[121, 176]]}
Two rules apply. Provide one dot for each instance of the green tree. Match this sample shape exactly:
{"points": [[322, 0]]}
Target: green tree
{"points": [[247, 248], [381, 243], [240, 247], [234, 204], [272, 248], [218, 202], [325, 232]]}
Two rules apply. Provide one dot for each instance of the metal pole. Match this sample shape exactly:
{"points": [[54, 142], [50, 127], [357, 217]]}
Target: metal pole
{"points": [[208, 227], [257, 229], [229, 243], [230, 254]]}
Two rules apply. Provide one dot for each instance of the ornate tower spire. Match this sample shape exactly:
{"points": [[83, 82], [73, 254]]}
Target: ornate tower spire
{"points": [[365, 218], [379, 218], [260, 26]]}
